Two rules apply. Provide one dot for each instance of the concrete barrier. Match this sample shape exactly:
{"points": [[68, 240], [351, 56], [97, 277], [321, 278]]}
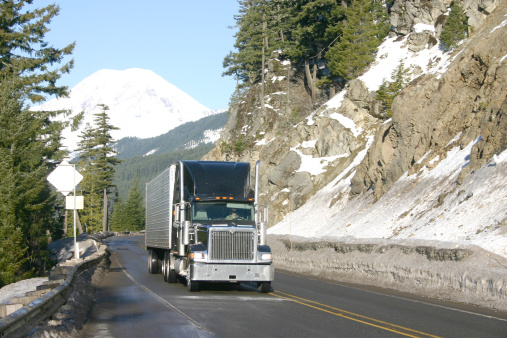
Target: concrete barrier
{"points": [[22, 321]]}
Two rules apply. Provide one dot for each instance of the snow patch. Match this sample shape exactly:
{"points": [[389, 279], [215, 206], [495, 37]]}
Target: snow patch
{"points": [[422, 27], [347, 123], [151, 152]]}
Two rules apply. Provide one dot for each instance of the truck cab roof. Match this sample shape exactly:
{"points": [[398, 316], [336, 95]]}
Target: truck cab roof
{"points": [[212, 179]]}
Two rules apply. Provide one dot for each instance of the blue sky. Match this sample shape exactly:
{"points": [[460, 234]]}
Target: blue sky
{"points": [[182, 41]]}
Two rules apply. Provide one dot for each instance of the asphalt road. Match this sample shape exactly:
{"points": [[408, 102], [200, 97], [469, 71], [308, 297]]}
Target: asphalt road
{"points": [[133, 303]]}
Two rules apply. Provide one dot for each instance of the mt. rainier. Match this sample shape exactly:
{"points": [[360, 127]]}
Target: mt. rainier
{"points": [[141, 103]]}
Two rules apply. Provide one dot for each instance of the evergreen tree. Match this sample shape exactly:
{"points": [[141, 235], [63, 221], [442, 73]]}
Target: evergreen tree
{"points": [[12, 254], [129, 215], [389, 89], [29, 147], [455, 27], [118, 216], [29, 141], [261, 25], [97, 162], [25, 54], [362, 27], [134, 208], [245, 63], [308, 38]]}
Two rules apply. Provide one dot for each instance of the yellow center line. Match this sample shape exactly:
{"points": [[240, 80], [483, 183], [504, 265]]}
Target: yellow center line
{"points": [[367, 320]]}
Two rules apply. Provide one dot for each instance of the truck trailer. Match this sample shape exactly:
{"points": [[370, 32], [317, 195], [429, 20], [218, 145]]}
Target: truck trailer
{"points": [[204, 224]]}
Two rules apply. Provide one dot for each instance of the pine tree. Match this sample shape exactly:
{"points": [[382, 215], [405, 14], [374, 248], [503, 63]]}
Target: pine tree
{"points": [[29, 141], [248, 45], [97, 163], [363, 25], [25, 54], [455, 27], [261, 30], [389, 89], [308, 37], [118, 216], [129, 215], [134, 208], [12, 254], [29, 147]]}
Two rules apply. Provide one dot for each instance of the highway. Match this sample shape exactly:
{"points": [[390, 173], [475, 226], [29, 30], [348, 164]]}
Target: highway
{"points": [[133, 303]]}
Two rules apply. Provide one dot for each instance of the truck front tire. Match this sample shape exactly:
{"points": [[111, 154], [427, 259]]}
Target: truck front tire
{"points": [[264, 287], [193, 286], [170, 275]]}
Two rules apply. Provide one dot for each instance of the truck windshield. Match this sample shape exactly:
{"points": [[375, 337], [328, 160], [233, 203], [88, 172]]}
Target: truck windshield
{"points": [[220, 211]]}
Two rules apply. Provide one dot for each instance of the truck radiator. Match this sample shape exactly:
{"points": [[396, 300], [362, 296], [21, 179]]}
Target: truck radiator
{"points": [[228, 245]]}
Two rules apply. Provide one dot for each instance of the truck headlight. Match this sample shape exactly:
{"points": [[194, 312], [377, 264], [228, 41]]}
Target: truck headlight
{"points": [[197, 255], [266, 256]]}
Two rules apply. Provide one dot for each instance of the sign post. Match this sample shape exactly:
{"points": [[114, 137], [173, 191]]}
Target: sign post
{"points": [[64, 178]]}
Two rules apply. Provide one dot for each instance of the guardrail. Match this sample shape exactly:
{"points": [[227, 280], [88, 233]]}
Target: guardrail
{"points": [[22, 321]]}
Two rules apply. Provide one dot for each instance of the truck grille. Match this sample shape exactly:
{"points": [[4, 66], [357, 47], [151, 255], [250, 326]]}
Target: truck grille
{"points": [[232, 245]]}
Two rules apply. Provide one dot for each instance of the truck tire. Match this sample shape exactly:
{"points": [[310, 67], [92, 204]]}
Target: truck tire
{"points": [[153, 266], [164, 267], [170, 275], [192, 286], [264, 287]]}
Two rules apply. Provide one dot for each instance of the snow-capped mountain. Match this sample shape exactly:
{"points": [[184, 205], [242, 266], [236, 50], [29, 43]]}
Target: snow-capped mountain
{"points": [[141, 103]]}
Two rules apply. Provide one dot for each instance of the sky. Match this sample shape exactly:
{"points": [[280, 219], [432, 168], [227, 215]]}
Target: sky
{"points": [[185, 42]]}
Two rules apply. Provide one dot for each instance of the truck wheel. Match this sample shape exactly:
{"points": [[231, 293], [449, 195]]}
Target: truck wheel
{"points": [[170, 275], [264, 287], [173, 277], [153, 266], [193, 286], [165, 265]]}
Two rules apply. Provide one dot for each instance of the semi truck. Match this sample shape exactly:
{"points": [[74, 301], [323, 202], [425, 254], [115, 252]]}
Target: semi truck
{"points": [[204, 224]]}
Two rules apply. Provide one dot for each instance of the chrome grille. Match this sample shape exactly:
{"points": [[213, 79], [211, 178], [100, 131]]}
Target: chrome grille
{"points": [[232, 245]]}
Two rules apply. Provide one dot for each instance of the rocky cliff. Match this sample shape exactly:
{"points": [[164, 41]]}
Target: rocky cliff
{"points": [[453, 99], [469, 99]]}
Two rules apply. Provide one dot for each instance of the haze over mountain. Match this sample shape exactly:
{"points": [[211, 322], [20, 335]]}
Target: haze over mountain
{"points": [[142, 104]]}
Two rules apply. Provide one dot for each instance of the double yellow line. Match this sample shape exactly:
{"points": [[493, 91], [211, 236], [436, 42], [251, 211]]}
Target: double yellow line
{"points": [[353, 316]]}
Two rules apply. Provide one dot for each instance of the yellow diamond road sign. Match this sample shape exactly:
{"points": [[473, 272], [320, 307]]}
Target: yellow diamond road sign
{"points": [[65, 177]]}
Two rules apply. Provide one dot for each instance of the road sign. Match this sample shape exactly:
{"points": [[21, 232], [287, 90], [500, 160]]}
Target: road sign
{"points": [[65, 177], [69, 202]]}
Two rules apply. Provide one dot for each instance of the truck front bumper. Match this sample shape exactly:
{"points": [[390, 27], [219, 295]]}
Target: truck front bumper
{"points": [[231, 272]]}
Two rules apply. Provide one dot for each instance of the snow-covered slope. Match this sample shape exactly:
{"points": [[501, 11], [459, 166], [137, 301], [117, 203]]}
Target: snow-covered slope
{"points": [[142, 104]]}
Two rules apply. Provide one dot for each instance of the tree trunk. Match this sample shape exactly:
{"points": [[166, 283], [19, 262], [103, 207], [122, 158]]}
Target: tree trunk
{"points": [[65, 223], [79, 223], [332, 91], [263, 63], [104, 217], [311, 78]]}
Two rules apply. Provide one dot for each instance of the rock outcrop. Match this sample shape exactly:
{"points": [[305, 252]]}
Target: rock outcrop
{"points": [[469, 100], [303, 158]]}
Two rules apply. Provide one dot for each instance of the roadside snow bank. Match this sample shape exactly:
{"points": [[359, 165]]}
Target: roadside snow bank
{"points": [[464, 274]]}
